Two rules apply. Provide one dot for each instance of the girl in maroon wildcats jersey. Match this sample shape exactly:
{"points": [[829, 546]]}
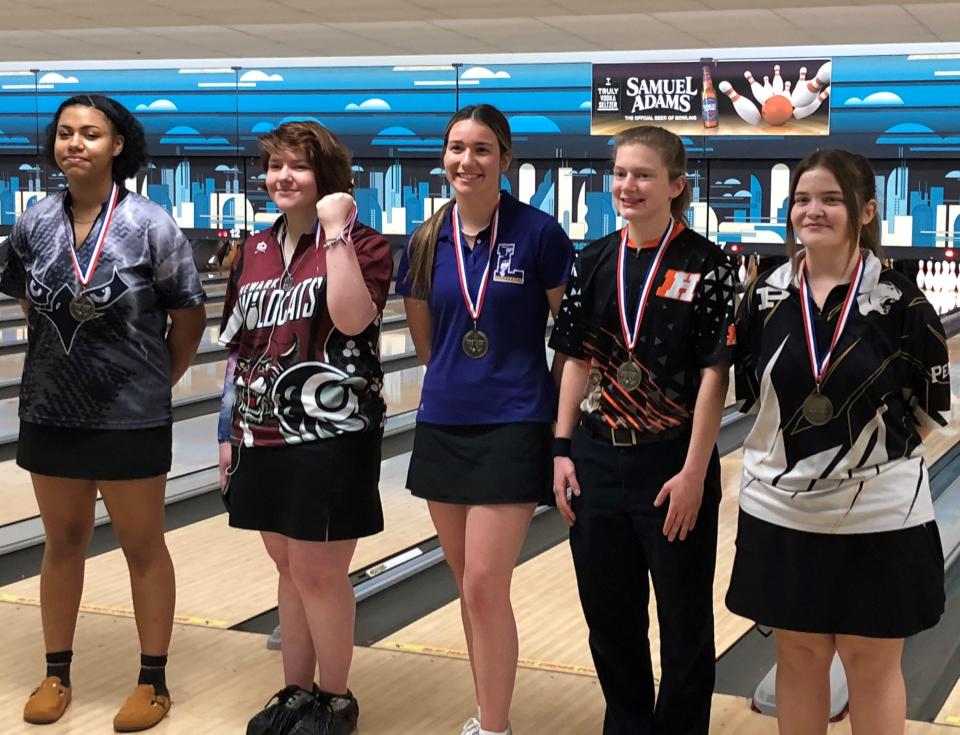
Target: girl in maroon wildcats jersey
{"points": [[303, 413]]}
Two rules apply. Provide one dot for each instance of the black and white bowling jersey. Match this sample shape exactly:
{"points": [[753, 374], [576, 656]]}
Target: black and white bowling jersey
{"points": [[110, 368], [863, 470]]}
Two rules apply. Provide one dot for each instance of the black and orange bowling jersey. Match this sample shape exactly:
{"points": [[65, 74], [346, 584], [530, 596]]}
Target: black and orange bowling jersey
{"points": [[687, 326]]}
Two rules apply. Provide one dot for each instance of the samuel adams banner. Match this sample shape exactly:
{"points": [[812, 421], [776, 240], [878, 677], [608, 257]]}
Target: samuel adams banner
{"points": [[788, 97]]}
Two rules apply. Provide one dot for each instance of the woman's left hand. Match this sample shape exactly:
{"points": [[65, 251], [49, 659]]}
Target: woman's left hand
{"points": [[686, 493], [334, 212]]}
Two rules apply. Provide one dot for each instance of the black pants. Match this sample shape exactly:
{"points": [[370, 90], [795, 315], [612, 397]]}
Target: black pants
{"points": [[616, 541]]}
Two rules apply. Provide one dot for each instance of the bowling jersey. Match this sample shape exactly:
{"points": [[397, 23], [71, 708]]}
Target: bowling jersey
{"points": [[862, 471], [687, 326], [298, 378], [512, 381], [111, 371]]}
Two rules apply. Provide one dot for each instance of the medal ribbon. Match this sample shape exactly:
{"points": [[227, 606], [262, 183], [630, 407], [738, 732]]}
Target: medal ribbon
{"points": [[630, 335], [819, 365], [474, 307], [85, 276]]}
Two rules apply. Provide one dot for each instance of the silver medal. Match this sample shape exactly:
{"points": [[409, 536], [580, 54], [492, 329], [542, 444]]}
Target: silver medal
{"points": [[475, 344]]}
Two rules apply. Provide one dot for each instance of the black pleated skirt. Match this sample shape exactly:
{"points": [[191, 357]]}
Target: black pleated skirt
{"points": [[324, 490], [482, 464], [95, 454], [882, 585]]}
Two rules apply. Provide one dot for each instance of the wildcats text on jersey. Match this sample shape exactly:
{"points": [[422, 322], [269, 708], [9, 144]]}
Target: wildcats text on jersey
{"points": [[265, 304]]}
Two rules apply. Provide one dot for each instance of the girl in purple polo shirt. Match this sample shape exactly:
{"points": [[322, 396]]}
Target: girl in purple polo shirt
{"points": [[479, 278]]}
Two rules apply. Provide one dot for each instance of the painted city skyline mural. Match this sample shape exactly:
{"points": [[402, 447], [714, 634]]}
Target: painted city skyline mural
{"points": [[202, 125]]}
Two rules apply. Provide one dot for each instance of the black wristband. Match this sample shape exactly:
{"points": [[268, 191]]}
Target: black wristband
{"points": [[561, 447]]}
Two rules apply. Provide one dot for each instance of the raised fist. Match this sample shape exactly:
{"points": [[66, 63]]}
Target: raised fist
{"points": [[335, 211]]}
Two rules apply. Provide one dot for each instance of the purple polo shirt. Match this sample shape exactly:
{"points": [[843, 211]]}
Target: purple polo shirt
{"points": [[512, 381]]}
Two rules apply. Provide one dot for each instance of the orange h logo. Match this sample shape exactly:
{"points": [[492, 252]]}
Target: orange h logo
{"points": [[679, 286]]}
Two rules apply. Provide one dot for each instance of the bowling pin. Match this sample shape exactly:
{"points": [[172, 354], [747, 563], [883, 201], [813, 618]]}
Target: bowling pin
{"points": [[758, 90], [786, 90], [777, 80], [921, 276], [747, 111], [808, 109], [767, 87], [801, 83], [742, 272], [804, 94]]}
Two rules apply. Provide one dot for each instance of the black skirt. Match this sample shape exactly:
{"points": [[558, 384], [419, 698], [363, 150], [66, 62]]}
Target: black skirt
{"points": [[881, 585], [95, 454], [482, 464], [324, 490]]}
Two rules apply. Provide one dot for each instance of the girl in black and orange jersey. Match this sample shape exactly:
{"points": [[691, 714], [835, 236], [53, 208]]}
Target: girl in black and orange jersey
{"points": [[646, 324]]}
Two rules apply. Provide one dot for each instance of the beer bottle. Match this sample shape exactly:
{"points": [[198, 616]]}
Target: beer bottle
{"points": [[711, 118]]}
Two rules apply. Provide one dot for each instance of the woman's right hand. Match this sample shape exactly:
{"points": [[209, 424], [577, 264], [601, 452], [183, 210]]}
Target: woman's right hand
{"points": [[564, 477], [225, 459]]}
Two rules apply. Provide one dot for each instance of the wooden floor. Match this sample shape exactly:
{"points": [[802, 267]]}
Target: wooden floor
{"points": [[218, 679]]}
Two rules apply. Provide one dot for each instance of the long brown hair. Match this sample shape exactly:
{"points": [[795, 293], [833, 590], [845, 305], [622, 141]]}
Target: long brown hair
{"points": [[672, 154], [858, 186], [423, 243]]}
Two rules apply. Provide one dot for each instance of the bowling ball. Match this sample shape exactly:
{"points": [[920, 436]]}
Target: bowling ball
{"points": [[777, 110]]}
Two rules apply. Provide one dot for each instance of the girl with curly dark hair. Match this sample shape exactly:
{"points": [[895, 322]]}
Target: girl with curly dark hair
{"points": [[99, 271]]}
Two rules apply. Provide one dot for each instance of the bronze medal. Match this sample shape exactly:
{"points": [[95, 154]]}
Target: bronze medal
{"points": [[475, 344], [82, 308], [287, 283], [629, 375], [817, 409]]}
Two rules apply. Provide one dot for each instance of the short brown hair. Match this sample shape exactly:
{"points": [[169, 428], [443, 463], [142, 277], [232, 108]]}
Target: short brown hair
{"points": [[328, 157], [858, 186], [672, 154]]}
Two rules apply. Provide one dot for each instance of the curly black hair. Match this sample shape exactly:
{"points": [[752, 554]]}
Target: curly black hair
{"points": [[134, 154]]}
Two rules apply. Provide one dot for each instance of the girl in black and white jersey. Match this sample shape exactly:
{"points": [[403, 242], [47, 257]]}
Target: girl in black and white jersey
{"points": [[837, 549]]}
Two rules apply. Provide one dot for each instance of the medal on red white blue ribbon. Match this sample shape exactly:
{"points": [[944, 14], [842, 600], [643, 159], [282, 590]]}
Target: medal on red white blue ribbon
{"points": [[475, 342], [817, 408], [82, 306], [629, 375]]}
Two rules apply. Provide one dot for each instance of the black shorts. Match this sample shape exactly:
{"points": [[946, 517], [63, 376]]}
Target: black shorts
{"points": [[482, 464], [324, 490], [881, 585], [95, 454]]}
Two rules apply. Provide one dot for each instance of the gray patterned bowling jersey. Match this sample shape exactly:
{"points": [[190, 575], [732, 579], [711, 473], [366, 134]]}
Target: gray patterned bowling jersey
{"points": [[112, 370]]}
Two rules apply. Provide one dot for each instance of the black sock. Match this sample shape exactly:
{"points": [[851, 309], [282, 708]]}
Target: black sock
{"points": [[58, 664], [153, 671]]}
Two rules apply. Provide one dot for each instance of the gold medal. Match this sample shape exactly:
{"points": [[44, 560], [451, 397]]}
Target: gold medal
{"points": [[82, 308], [817, 409], [475, 344], [629, 376]]}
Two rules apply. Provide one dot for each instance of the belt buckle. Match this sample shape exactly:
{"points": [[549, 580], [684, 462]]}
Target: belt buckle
{"points": [[630, 443]]}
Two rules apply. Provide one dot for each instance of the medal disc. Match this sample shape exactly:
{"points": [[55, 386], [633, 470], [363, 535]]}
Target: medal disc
{"points": [[287, 283], [629, 375], [82, 308], [817, 409], [475, 344]]}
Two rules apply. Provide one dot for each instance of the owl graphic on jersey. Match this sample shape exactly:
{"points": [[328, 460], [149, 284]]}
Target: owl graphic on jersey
{"points": [[307, 400]]}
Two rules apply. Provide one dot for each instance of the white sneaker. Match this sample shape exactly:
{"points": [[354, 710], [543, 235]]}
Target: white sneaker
{"points": [[471, 727]]}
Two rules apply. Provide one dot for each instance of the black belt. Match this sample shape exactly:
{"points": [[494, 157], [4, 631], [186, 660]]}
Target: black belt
{"points": [[629, 437]]}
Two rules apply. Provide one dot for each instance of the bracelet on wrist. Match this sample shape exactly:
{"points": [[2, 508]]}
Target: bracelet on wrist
{"points": [[561, 447], [332, 242]]}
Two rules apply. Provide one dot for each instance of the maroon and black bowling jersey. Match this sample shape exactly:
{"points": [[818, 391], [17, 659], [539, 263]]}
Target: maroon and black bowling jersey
{"points": [[298, 378]]}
